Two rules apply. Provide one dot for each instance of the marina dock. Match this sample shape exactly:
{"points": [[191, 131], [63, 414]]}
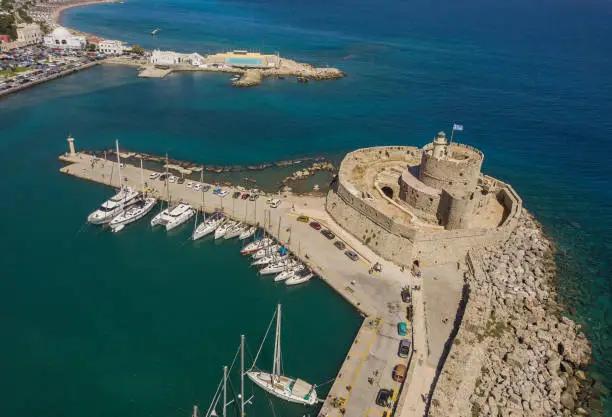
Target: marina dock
{"points": [[373, 354]]}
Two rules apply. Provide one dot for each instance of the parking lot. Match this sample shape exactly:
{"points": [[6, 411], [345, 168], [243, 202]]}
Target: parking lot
{"points": [[23, 66]]}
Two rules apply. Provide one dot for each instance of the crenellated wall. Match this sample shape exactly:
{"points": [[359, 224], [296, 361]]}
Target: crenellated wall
{"points": [[403, 242]]}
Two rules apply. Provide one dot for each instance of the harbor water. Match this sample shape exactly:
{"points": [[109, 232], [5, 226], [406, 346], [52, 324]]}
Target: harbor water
{"points": [[140, 323]]}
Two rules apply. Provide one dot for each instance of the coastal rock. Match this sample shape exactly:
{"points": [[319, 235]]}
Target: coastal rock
{"points": [[534, 356]]}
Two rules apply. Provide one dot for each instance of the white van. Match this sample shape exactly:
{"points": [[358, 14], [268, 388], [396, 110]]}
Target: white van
{"points": [[275, 203]]}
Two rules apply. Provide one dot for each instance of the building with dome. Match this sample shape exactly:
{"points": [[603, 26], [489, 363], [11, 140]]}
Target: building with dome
{"points": [[422, 205], [63, 39]]}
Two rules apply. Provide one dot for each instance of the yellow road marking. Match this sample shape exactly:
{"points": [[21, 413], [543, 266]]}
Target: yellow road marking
{"points": [[375, 333]]}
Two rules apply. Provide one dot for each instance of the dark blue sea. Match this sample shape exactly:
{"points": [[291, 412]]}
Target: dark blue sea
{"points": [[140, 323]]}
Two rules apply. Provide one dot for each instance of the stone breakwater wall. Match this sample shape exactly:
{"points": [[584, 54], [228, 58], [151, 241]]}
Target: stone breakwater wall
{"points": [[515, 353]]}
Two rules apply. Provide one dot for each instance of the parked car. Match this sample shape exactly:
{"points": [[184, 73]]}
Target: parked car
{"points": [[163, 177], [315, 225], [205, 188], [399, 373], [236, 194], [383, 398], [404, 348], [275, 203], [303, 219], [180, 180], [223, 193], [245, 196], [216, 191], [328, 234], [402, 329], [339, 245], [154, 175], [253, 197], [352, 255]]}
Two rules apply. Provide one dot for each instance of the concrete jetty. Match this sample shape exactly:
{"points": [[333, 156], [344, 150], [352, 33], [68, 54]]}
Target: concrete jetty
{"points": [[373, 354]]}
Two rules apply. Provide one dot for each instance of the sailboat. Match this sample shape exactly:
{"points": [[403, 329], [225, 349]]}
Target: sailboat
{"points": [[221, 393], [135, 212], [247, 233], [289, 389], [115, 205]]}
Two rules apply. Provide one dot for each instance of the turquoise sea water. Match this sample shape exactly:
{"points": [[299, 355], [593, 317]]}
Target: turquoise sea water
{"points": [[140, 323]]}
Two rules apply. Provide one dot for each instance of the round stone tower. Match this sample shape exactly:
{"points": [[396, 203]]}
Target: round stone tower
{"points": [[451, 167]]}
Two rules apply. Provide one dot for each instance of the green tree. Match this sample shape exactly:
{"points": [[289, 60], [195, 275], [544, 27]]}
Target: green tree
{"points": [[137, 49], [23, 14], [91, 47]]}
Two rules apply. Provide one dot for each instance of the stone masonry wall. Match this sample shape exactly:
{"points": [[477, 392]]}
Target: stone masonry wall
{"points": [[515, 354]]}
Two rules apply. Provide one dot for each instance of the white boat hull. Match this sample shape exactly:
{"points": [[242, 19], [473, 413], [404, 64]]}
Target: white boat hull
{"points": [[235, 231], [255, 246], [297, 279], [276, 268], [288, 273], [281, 387], [247, 233], [205, 229], [133, 213], [174, 223]]}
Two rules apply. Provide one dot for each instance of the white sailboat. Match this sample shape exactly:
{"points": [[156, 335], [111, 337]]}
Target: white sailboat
{"points": [[300, 277], [266, 251], [278, 266], [284, 387], [136, 211], [247, 233], [288, 273], [256, 245], [115, 205], [208, 226], [235, 231], [222, 230]]}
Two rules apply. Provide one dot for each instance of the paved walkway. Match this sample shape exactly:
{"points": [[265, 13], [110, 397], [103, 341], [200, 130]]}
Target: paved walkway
{"points": [[374, 353]]}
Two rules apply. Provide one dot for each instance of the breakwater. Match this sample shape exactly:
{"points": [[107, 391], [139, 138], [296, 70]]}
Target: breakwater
{"points": [[70, 71], [515, 351]]}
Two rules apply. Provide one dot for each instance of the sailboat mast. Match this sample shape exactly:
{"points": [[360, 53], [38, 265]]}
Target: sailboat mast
{"points": [[277, 348], [119, 164], [203, 193], [167, 182], [142, 176], [195, 411], [242, 375], [225, 391]]}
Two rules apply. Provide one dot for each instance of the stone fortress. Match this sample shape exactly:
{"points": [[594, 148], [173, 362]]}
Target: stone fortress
{"points": [[422, 206]]}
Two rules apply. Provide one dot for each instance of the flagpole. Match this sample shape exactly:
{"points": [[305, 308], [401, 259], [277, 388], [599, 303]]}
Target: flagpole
{"points": [[452, 134]]}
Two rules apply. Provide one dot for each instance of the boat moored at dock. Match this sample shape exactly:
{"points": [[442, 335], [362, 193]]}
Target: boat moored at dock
{"points": [[135, 212], [113, 206], [289, 389], [300, 277], [208, 226], [256, 245], [247, 233], [288, 273], [278, 266], [222, 229], [173, 217]]}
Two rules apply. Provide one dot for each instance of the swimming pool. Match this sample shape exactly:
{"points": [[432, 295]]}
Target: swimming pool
{"points": [[253, 62]]}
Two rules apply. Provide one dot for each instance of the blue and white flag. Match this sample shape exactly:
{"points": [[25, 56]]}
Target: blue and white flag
{"points": [[458, 128]]}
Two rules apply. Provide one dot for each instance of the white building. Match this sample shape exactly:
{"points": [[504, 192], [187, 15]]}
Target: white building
{"points": [[111, 47], [164, 57], [61, 38], [174, 58], [29, 33]]}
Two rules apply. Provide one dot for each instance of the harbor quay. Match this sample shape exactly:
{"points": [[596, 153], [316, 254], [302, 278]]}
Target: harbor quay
{"points": [[375, 292]]}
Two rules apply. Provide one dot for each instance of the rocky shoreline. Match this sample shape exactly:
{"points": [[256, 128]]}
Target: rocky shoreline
{"points": [[515, 353]]}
